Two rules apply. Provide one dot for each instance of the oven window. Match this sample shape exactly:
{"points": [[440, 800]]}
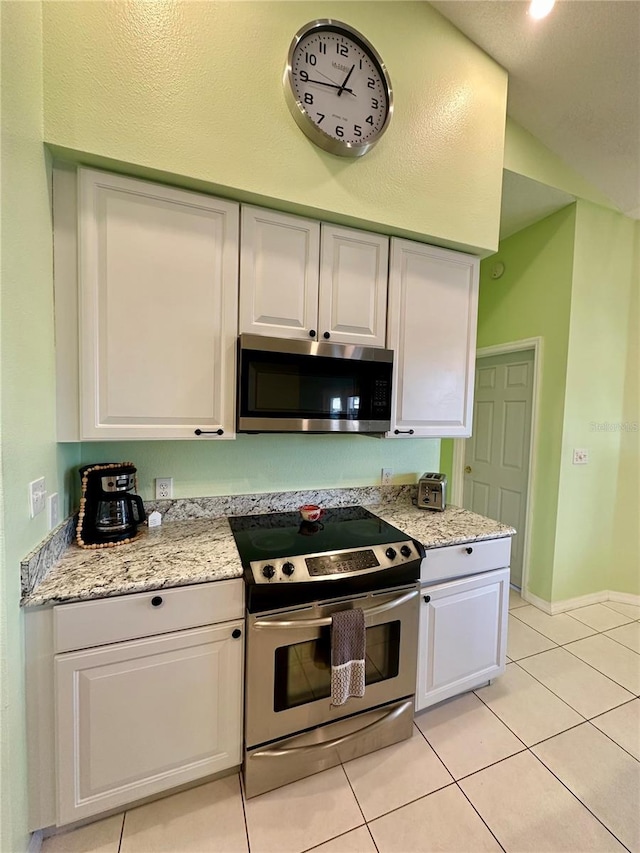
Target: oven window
{"points": [[303, 670]]}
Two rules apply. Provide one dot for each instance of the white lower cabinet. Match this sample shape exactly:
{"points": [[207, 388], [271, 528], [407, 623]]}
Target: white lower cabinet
{"points": [[137, 718], [463, 635]]}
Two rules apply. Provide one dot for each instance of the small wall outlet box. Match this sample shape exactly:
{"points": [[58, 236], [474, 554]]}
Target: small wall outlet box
{"points": [[37, 496], [54, 511], [387, 476], [164, 488], [154, 519], [580, 457]]}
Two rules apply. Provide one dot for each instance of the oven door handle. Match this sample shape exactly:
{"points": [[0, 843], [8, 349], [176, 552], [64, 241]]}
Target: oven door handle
{"points": [[338, 741], [326, 620]]}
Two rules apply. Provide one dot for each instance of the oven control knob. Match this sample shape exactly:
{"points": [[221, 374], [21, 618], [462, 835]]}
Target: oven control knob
{"points": [[288, 569], [391, 553], [268, 571], [405, 551]]}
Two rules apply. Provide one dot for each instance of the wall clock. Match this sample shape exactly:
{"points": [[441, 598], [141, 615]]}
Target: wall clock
{"points": [[337, 88]]}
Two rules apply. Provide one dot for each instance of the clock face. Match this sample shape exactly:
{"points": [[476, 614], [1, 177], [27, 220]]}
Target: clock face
{"points": [[337, 88]]}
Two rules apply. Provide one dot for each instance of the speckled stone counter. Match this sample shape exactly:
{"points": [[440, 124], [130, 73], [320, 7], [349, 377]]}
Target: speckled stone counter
{"points": [[454, 526], [175, 554], [198, 550]]}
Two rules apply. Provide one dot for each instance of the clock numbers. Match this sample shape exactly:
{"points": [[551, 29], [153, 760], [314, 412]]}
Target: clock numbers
{"points": [[311, 58], [308, 98], [339, 131], [369, 119], [374, 104], [323, 47], [320, 115], [342, 50]]}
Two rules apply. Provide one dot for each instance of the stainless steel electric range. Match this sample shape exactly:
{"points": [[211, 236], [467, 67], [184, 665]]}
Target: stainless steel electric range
{"points": [[297, 574]]}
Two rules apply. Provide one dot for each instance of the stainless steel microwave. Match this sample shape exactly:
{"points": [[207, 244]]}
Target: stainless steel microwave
{"points": [[312, 386]]}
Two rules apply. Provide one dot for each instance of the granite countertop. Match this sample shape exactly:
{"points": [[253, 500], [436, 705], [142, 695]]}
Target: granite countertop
{"points": [[454, 526], [200, 550], [175, 554]]}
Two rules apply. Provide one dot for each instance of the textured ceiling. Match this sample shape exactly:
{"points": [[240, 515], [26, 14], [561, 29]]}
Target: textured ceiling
{"points": [[574, 81]]}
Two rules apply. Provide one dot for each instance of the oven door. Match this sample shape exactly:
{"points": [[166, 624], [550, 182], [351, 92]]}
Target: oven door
{"points": [[288, 675]]}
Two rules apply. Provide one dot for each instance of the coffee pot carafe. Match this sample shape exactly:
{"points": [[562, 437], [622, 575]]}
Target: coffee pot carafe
{"points": [[110, 510]]}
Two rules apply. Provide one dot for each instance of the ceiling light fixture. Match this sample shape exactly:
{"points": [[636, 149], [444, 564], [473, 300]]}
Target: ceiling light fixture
{"points": [[541, 8]]}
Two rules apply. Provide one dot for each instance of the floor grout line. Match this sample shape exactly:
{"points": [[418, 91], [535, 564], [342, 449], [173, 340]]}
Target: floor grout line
{"points": [[124, 817], [501, 846], [573, 794], [599, 670], [619, 745], [244, 810]]}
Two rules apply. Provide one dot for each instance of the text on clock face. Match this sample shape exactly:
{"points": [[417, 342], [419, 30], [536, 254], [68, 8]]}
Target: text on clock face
{"points": [[330, 70]]}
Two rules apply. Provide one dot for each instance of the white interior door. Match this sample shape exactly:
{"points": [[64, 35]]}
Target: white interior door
{"points": [[496, 470]]}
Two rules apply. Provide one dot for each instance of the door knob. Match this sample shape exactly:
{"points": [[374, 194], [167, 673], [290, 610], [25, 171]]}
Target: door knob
{"points": [[467, 469]]}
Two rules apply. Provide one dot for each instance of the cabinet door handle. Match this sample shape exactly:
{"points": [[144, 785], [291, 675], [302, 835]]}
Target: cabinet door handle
{"points": [[469, 550], [427, 598], [236, 633], [326, 336], [312, 333], [403, 432], [209, 431], [156, 601]]}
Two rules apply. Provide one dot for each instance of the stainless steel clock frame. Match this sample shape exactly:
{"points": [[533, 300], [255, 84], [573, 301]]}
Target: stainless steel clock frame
{"points": [[305, 123]]}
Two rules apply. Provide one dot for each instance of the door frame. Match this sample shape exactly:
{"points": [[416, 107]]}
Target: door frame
{"points": [[457, 472]]}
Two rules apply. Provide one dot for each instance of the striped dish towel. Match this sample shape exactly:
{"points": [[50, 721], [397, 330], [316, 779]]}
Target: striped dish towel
{"points": [[348, 640]]}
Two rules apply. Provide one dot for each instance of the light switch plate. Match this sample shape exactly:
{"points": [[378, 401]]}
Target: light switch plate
{"points": [[580, 456]]}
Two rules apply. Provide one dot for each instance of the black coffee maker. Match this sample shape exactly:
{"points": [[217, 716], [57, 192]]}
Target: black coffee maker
{"points": [[109, 510]]}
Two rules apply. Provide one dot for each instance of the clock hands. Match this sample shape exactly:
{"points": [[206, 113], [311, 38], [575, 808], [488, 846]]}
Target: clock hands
{"points": [[345, 81], [332, 86]]}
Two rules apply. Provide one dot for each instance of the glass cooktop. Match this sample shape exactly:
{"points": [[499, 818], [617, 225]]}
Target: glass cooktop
{"points": [[285, 534]]}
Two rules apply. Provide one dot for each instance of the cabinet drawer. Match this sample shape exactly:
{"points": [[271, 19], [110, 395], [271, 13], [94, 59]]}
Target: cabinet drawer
{"points": [[128, 617], [455, 561]]}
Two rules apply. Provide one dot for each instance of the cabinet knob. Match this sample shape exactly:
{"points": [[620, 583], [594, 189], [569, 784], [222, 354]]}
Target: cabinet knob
{"points": [[312, 333], [469, 550], [427, 598], [467, 469], [326, 336], [156, 601], [236, 633], [209, 431], [403, 432]]}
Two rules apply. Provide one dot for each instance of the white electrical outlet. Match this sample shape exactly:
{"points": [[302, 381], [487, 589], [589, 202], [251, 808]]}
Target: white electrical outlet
{"points": [[387, 476], [54, 511], [37, 496], [580, 457], [164, 488]]}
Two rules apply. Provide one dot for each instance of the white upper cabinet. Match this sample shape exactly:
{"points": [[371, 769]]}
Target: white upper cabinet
{"points": [[157, 271], [278, 274], [299, 279], [432, 318], [353, 286]]}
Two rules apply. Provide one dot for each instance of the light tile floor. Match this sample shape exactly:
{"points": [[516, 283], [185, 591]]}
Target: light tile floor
{"points": [[547, 758]]}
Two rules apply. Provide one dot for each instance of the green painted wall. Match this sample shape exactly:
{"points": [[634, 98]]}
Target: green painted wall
{"points": [[264, 463], [626, 525], [533, 298], [194, 90], [599, 376], [526, 155], [27, 374]]}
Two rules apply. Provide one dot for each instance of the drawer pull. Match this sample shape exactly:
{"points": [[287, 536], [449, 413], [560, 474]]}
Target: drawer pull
{"points": [[156, 601], [427, 598], [469, 550], [403, 432], [312, 333], [326, 336], [236, 633], [209, 431]]}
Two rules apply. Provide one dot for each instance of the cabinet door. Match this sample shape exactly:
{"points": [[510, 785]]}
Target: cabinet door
{"points": [[278, 274], [463, 635], [158, 309], [433, 307], [353, 286], [133, 719]]}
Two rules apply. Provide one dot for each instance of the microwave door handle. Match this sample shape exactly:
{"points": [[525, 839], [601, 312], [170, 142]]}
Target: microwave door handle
{"points": [[338, 741], [326, 620]]}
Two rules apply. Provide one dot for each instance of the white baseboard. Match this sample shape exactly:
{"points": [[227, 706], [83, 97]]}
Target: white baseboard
{"points": [[624, 598], [554, 607], [35, 842]]}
